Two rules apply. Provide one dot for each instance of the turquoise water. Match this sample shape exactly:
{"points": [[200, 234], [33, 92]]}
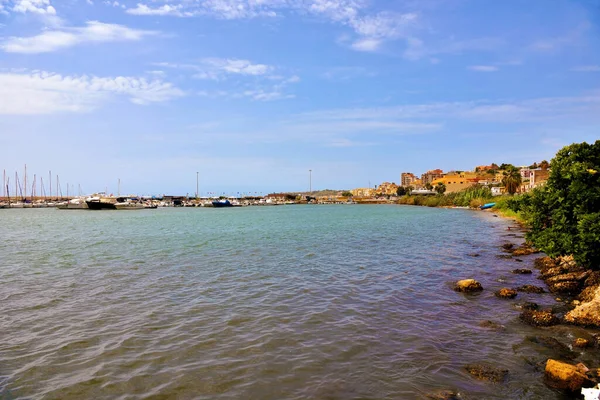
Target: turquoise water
{"points": [[289, 302]]}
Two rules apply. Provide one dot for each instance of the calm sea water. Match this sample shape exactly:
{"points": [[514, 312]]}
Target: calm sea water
{"points": [[289, 302]]}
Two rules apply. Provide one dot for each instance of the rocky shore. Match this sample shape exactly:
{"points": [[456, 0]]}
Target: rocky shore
{"points": [[569, 330]]}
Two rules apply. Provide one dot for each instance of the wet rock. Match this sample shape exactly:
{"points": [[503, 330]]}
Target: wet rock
{"points": [[468, 286], [486, 372], [586, 313], [524, 250], [561, 350], [581, 343], [506, 293], [508, 246], [473, 255], [567, 287], [444, 395], [561, 375], [521, 271], [544, 263], [568, 277], [539, 318], [518, 260], [504, 256], [531, 289], [529, 306], [491, 325]]}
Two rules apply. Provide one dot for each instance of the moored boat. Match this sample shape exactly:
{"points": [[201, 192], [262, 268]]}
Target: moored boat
{"points": [[129, 203], [486, 206], [222, 203], [101, 203], [73, 204]]}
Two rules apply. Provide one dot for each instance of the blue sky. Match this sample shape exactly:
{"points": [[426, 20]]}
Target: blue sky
{"points": [[251, 94]]}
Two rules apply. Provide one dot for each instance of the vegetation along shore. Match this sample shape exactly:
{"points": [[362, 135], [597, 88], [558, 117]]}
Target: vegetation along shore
{"points": [[562, 220]]}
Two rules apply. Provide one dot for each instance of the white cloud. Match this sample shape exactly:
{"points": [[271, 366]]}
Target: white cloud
{"points": [[48, 93], [483, 68], [367, 44], [53, 40], [34, 6], [219, 68], [166, 9], [586, 68]]}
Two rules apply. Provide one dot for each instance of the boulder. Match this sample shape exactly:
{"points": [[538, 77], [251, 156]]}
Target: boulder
{"points": [[531, 289], [586, 313], [561, 375], [486, 372], [560, 350], [593, 279], [581, 343], [539, 318], [468, 286], [521, 271], [524, 250], [587, 294], [506, 293], [528, 305], [543, 263], [508, 246], [491, 325]]}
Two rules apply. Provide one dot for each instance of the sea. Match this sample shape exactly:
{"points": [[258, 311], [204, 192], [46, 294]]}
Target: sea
{"points": [[269, 303]]}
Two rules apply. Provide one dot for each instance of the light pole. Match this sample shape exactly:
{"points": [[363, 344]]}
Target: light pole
{"points": [[310, 181], [196, 184]]}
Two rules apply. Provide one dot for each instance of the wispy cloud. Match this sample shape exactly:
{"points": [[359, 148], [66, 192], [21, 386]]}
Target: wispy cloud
{"points": [[219, 68], [48, 93], [554, 44], [57, 39], [483, 68], [370, 29], [586, 68]]}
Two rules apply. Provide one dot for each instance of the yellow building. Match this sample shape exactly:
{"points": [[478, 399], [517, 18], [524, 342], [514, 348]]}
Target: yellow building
{"points": [[387, 188], [363, 192], [455, 182]]}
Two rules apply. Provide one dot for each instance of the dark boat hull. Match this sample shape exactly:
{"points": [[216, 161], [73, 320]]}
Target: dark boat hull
{"points": [[100, 205], [222, 204]]}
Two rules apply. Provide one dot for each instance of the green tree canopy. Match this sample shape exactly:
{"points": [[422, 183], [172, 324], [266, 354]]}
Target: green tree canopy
{"points": [[401, 191], [346, 194], [565, 213]]}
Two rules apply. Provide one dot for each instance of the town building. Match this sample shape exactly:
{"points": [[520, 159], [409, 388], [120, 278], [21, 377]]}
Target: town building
{"points": [[363, 192], [407, 179], [387, 188], [432, 175], [456, 181]]}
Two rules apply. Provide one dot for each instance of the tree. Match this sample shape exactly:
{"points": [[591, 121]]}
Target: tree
{"points": [[401, 191], [506, 166], [544, 165], [495, 166], [428, 186], [511, 180], [564, 214], [533, 166], [440, 188], [346, 194]]}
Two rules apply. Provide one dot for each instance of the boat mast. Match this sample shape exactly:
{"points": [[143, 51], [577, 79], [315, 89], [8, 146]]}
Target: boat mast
{"points": [[43, 188], [25, 184], [4, 184], [7, 191], [119, 188], [33, 188], [50, 180]]}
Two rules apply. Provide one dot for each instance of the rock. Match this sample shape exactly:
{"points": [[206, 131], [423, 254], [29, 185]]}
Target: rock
{"points": [[543, 263], [486, 373], [529, 306], [587, 294], [521, 271], [568, 287], [468, 286], [524, 250], [586, 313], [539, 318], [506, 293], [561, 350], [491, 325], [581, 343], [504, 256], [561, 375], [593, 279], [568, 277], [444, 395], [473, 255], [508, 246], [531, 289], [518, 260]]}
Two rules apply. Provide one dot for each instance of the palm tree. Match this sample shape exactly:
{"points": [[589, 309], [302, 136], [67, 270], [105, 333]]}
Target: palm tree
{"points": [[440, 188], [511, 180]]}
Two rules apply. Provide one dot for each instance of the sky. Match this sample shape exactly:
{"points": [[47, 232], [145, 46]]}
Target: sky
{"points": [[261, 96]]}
